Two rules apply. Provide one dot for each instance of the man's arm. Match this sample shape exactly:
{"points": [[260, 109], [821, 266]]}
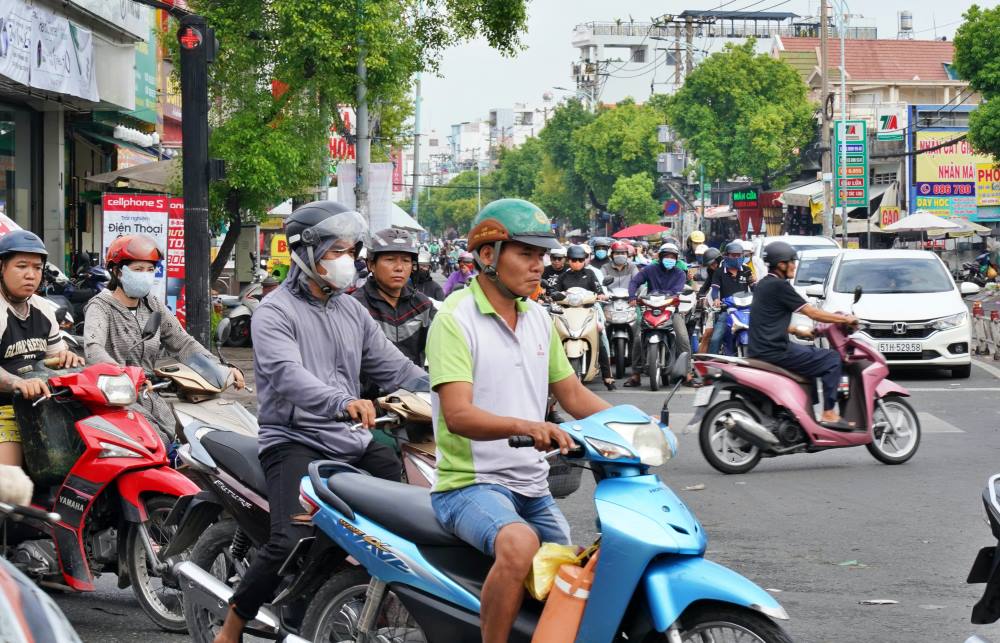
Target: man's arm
{"points": [[577, 399], [633, 285], [820, 315]]}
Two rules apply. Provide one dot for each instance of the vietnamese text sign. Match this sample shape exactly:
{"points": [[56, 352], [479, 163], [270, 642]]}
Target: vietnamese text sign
{"points": [[954, 163], [987, 184], [745, 199], [137, 214], [851, 144], [889, 214], [175, 259]]}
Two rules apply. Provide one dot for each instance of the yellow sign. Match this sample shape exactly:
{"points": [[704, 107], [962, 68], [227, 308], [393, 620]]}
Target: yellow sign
{"points": [[272, 223], [987, 184], [888, 214], [279, 247], [953, 163], [816, 210]]}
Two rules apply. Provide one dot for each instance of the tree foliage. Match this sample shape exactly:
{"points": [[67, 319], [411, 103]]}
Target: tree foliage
{"points": [[976, 44], [632, 197], [452, 207], [742, 114], [517, 172]]}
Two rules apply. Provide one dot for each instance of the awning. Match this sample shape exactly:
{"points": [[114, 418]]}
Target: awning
{"points": [[968, 229], [108, 140], [399, 218], [157, 176], [719, 212], [804, 195]]}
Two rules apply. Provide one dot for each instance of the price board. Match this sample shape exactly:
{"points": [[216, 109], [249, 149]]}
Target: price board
{"points": [[851, 143]]}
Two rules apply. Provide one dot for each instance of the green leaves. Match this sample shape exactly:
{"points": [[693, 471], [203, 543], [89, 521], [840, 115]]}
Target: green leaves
{"points": [[977, 42], [632, 197]]}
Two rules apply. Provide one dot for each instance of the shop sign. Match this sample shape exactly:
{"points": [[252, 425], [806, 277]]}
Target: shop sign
{"points": [[338, 149], [946, 179], [124, 14], [146, 77], [175, 300], [987, 184], [888, 214], [137, 214], [891, 126], [852, 177], [745, 199]]}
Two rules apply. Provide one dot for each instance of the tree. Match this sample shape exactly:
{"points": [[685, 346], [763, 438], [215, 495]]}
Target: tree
{"points": [[454, 205], [517, 171], [632, 197], [742, 114], [975, 60], [562, 188]]}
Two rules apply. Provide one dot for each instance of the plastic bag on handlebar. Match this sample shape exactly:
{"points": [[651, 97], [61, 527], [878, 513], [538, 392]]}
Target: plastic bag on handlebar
{"points": [[49, 437]]}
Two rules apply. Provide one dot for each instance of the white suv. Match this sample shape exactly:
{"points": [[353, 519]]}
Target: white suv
{"points": [[914, 311]]}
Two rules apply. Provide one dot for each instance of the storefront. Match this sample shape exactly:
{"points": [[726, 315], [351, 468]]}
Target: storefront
{"points": [[803, 208]]}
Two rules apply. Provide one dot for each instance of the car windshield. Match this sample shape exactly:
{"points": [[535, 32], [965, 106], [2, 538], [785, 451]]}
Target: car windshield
{"points": [[813, 270], [893, 275]]}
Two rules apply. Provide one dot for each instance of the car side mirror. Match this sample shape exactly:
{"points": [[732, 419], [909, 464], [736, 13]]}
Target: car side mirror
{"points": [[152, 325], [969, 288], [815, 290], [858, 291]]}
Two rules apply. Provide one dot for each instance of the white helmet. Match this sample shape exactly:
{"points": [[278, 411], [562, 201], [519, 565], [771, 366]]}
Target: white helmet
{"points": [[555, 253], [424, 257], [747, 245], [700, 249], [668, 247]]}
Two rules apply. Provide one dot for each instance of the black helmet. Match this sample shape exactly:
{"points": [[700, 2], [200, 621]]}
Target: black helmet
{"points": [[710, 255], [735, 248], [778, 251], [393, 240], [313, 222], [22, 241], [576, 252]]}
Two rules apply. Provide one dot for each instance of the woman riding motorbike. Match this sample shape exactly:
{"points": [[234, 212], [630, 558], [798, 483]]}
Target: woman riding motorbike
{"points": [[115, 319]]}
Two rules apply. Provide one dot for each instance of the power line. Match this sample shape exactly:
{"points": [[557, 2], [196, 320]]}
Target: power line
{"points": [[919, 152]]}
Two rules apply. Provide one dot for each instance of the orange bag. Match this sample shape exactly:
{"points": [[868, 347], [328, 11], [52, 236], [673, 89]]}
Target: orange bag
{"points": [[563, 611]]}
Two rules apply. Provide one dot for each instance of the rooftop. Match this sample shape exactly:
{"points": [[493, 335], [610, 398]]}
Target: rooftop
{"points": [[738, 15], [873, 60]]}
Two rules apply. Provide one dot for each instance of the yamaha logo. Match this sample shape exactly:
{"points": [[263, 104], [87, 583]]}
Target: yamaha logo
{"points": [[899, 328], [72, 504]]}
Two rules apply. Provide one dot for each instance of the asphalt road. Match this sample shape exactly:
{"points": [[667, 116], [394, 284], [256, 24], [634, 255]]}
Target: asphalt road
{"points": [[822, 531]]}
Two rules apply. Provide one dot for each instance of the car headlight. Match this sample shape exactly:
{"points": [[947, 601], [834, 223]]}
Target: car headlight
{"points": [[118, 389], [952, 321], [610, 450], [649, 440]]}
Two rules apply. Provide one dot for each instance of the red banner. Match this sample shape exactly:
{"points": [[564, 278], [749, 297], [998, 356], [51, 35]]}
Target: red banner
{"points": [[175, 260]]}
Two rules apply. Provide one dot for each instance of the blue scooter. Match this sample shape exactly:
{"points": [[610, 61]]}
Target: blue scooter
{"points": [[737, 335], [652, 582]]}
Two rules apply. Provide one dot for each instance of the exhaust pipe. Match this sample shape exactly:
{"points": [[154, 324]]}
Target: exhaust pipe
{"points": [[752, 431], [211, 593]]}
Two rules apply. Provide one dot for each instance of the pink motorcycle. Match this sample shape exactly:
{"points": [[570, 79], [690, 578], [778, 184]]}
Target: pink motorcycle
{"points": [[756, 410]]}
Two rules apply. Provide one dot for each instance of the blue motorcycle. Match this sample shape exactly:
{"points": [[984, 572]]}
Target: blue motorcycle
{"points": [[420, 583], [737, 316]]}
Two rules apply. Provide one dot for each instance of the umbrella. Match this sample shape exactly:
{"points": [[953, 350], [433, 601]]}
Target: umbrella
{"points": [[639, 230], [966, 229], [921, 221]]}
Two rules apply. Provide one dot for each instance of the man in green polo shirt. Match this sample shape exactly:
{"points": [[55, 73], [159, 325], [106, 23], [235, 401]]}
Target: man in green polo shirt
{"points": [[494, 358]]}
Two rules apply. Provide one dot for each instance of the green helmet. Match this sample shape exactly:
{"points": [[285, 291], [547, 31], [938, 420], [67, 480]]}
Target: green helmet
{"points": [[512, 220]]}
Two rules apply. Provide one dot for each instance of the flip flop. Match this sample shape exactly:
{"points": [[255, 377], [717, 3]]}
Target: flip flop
{"points": [[631, 383]]}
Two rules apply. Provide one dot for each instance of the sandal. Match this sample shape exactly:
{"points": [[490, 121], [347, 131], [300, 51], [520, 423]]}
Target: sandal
{"points": [[610, 384], [633, 381]]}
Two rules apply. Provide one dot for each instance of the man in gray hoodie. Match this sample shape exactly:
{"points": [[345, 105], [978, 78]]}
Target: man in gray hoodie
{"points": [[311, 346]]}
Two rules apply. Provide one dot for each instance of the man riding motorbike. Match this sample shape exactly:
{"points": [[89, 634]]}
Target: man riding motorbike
{"points": [[423, 282], [311, 345], [461, 277], [620, 268], [403, 313], [602, 252], [665, 277], [773, 304], [116, 317], [493, 496], [733, 278], [556, 267], [579, 276], [28, 333], [711, 260], [695, 239]]}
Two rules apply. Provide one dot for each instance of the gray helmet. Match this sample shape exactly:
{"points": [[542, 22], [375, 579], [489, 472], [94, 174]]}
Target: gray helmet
{"points": [[424, 257], [314, 222], [668, 248], [393, 240], [734, 247], [778, 251], [22, 241], [710, 255]]}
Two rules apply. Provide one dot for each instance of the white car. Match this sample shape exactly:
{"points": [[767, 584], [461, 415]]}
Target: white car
{"points": [[798, 241], [913, 310], [814, 268]]}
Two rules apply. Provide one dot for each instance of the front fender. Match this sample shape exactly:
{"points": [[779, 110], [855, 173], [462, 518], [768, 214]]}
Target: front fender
{"points": [[673, 584], [133, 484], [574, 347], [888, 387], [653, 339]]}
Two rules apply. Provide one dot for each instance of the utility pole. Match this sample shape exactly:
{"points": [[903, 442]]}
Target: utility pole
{"points": [[677, 55], [843, 124], [825, 127], [363, 144], [415, 205], [689, 43]]}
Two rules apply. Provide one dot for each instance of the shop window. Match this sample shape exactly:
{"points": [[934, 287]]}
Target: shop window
{"points": [[7, 164]]}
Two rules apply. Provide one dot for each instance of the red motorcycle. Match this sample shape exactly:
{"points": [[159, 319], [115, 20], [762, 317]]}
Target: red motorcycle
{"points": [[104, 470], [656, 329]]}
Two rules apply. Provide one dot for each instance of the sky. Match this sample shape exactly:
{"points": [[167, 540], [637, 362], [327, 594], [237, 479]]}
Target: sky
{"points": [[473, 78]]}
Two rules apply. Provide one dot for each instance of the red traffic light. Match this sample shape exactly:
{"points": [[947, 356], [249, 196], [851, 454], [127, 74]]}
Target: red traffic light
{"points": [[189, 37]]}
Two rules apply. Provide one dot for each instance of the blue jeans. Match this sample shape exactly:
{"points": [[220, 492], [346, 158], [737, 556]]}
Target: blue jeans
{"points": [[812, 362], [718, 332], [477, 513]]}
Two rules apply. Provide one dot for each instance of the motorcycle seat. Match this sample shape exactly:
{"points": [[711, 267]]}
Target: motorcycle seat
{"points": [[761, 365], [237, 454], [401, 508]]}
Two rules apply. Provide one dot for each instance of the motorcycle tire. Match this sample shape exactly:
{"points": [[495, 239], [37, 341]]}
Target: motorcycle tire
{"points": [[698, 624], [705, 435], [240, 334], [653, 366], [206, 553], [877, 447], [576, 363], [166, 611], [620, 346], [333, 613]]}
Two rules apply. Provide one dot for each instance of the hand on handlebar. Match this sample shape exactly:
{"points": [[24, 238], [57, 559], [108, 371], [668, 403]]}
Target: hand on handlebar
{"points": [[362, 411], [545, 435], [852, 321], [31, 388]]}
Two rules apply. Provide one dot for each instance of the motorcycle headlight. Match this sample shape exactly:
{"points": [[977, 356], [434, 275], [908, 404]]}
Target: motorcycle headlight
{"points": [[118, 389], [649, 440], [952, 321], [109, 450], [609, 450]]}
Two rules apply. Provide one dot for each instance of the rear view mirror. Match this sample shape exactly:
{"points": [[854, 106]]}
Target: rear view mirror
{"points": [[969, 288], [223, 331], [557, 296], [152, 325], [858, 291], [815, 290]]}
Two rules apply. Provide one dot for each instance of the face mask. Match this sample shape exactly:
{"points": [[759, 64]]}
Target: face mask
{"points": [[746, 260], [136, 285], [619, 260], [733, 263], [668, 264], [340, 272], [601, 254]]}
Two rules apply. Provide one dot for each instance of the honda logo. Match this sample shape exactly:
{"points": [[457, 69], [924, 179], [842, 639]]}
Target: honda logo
{"points": [[899, 328]]}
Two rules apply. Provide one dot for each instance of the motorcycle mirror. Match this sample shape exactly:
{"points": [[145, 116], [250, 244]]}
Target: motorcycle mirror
{"points": [[557, 296], [152, 325], [858, 291]]}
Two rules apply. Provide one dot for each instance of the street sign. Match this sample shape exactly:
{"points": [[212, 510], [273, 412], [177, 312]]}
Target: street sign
{"points": [[671, 208], [852, 177]]}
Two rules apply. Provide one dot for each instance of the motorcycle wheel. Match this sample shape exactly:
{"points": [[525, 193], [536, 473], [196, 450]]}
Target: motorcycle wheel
{"points": [[897, 436], [333, 613], [653, 366], [213, 553], [160, 598], [620, 358], [576, 363], [240, 335], [723, 450], [718, 622]]}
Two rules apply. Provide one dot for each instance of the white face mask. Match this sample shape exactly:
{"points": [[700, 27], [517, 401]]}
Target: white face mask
{"points": [[340, 272], [136, 285]]}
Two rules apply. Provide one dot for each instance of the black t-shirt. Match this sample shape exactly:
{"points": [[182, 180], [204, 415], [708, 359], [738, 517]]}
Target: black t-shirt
{"points": [[550, 277], [774, 301], [728, 284], [584, 278]]}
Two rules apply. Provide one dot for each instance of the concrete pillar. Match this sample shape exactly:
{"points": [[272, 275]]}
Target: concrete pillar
{"points": [[53, 189], [21, 212]]}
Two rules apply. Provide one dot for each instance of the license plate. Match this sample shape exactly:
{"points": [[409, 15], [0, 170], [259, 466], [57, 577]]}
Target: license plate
{"points": [[703, 395], [900, 347]]}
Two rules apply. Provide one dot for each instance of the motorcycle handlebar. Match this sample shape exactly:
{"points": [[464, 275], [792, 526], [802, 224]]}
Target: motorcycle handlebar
{"points": [[519, 441]]}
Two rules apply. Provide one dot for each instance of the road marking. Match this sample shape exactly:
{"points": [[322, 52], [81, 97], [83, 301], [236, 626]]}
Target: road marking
{"points": [[930, 423], [992, 370], [971, 389]]}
